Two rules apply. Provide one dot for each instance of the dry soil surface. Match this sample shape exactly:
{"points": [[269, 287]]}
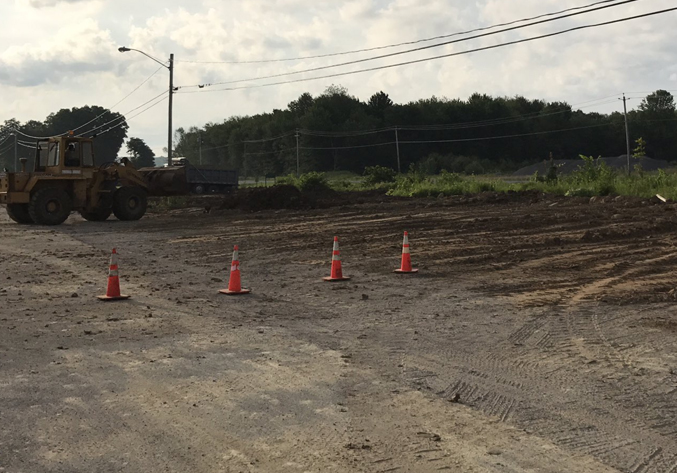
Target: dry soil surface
{"points": [[539, 336]]}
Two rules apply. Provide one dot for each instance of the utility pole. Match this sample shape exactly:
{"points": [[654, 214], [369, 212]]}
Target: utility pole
{"points": [[199, 139], [171, 94], [244, 162], [298, 165], [124, 49], [16, 152], [397, 144], [627, 131]]}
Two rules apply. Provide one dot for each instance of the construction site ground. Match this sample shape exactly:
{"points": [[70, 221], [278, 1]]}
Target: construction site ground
{"points": [[539, 336]]}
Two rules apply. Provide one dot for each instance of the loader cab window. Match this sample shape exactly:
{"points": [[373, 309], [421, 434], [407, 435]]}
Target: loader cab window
{"points": [[41, 156], [72, 155], [52, 154], [87, 154]]}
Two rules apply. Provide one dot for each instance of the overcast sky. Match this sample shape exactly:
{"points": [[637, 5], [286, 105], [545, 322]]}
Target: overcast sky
{"points": [[63, 53]]}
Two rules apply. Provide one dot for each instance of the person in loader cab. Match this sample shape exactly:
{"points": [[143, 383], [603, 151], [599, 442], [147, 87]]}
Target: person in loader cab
{"points": [[72, 158]]}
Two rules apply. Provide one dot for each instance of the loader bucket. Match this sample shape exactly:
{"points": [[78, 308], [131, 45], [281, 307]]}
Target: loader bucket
{"points": [[165, 181]]}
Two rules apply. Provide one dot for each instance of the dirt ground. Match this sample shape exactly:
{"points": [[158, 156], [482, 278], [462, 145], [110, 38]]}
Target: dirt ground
{"points": [[539, 336]]}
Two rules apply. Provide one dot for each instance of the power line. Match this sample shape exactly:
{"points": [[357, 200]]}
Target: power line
{"points": [[390, 143], [5, 138], [122, 116], [109, 110], [442, 141], [98, 116], [422, 48], [406, 43], [341, 134], [269, 139], [452, 126], [134, 116], [508, 136], [11, 145], [461, 53], [16, 130], [261, 153], [349, 147], [215, 147]]}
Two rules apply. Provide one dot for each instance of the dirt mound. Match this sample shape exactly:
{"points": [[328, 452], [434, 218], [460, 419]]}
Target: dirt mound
{"points": [[266, 198], [255, 199]]}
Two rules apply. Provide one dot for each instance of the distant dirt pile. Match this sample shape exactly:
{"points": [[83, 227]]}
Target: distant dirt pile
{"points": [[266, 198]]}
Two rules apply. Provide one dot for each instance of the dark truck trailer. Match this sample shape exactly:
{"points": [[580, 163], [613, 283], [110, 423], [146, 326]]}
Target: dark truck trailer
{"points": [[189, 179], [209, 180]]}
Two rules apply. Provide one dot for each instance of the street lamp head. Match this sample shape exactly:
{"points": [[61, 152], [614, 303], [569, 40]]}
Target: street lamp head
{"points": [[123, 49]]}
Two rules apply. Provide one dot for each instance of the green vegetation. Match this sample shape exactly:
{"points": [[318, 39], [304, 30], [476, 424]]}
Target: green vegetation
{"points": [[140, 153], [378, 174], [592, 178], [162, 204], [309, 182], [435, 134]]}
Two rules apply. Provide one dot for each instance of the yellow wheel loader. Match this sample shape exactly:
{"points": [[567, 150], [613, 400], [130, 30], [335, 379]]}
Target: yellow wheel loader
{"points": [[65, 179]]}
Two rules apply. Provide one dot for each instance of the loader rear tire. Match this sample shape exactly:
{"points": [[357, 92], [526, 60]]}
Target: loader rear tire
{"points": [[129, 203], [19, 213], [50, 206], [98, 215]]}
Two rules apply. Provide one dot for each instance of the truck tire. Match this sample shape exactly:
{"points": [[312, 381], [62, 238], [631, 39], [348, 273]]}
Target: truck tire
{"points": [[19, 213], [50, 206], [198, 189], [98, 215], [129, 203]]}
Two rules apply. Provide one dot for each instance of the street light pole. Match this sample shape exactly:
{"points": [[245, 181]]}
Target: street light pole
{"points": [[171, 95], [124, 49]]}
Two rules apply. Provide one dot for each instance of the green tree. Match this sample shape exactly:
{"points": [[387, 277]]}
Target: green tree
{"points": [[300, 106], [379, 103], [660, 102], [109, 129], [140, 153]]}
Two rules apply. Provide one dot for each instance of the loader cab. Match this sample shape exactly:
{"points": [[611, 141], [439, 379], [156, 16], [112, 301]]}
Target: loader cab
{"points": [[65, 155]]}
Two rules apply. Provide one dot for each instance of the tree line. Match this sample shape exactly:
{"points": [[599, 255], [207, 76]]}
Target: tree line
{"points": [[470, 142], [109, 129], [339, 132]]}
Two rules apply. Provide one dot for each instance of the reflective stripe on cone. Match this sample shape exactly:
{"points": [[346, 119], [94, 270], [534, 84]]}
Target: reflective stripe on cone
{"points": [[336, 269], [113, 289], [234, 282]]}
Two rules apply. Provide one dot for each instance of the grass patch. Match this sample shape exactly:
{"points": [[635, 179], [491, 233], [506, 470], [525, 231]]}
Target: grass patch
{"points": [[593, 178], [162, 204]]}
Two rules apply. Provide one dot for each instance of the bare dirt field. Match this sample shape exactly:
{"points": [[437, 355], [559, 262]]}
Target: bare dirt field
{"points": [[539, 336]]}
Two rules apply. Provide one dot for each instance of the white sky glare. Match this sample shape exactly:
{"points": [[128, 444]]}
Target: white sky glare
{"points": [[63, 53]]}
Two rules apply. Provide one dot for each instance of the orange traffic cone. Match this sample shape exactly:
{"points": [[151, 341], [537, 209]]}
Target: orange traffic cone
{"points": [[406, 257], [336, 271], [234, 283], [113, 291]]}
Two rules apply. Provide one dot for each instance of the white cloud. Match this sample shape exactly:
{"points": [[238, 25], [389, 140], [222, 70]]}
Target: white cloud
{"points": [[76, 49], [69, 57], [52, 3]]}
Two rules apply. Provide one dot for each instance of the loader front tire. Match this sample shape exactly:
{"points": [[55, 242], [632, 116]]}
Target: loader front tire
{"points": [[19, 213], [129, 203], [50, 206]]}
